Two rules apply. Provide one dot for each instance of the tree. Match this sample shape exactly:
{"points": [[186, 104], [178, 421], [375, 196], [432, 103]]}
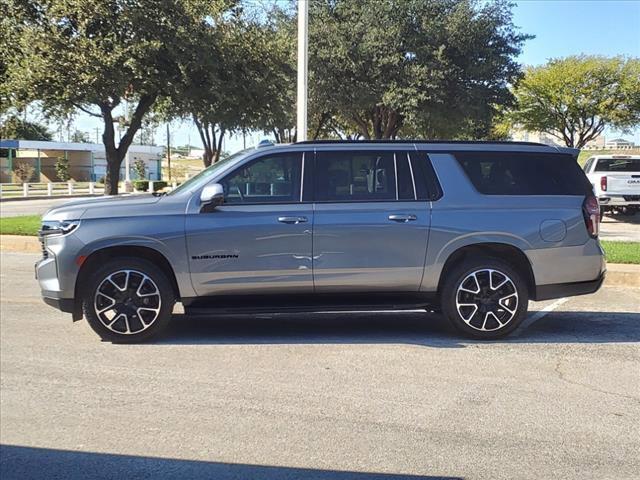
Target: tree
{"points": [[435, 68], [140, 169], [236, 81], [96, 55], [80, 137], [575, 98], [16, 128]]}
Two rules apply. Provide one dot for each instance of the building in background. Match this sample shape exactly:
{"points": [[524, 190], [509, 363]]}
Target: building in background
{"points": [[87, 161], [619, 144]]}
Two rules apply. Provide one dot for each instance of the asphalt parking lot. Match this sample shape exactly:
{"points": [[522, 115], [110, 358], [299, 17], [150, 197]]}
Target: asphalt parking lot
{"points": [[347, 396]]}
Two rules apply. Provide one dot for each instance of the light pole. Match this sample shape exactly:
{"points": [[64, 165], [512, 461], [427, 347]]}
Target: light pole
{"points": [[303, 26]]}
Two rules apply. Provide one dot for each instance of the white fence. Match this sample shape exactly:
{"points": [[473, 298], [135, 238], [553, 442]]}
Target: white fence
{"points": [[50, 189]]}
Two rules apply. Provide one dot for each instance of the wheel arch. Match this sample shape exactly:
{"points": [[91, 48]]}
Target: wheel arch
{"points": [[102, 255], [511, 254]]}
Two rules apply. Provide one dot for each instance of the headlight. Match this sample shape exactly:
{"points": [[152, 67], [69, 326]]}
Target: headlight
{"points": [[56, 227]]}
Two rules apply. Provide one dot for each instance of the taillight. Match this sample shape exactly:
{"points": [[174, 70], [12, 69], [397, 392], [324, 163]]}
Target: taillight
{"points": [[603, 184], [591, 212]]}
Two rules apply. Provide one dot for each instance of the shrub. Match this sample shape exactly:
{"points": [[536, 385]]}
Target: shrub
{"points": [[23, 172], [62, 169], [141, 185], [140, 169]]}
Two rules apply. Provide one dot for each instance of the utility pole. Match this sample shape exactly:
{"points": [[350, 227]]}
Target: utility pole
{"points": [[303, 40], [169, 151]]}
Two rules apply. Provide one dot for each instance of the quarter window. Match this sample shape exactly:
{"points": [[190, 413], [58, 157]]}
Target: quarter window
{"points": [[355, 176], [270, 179]]}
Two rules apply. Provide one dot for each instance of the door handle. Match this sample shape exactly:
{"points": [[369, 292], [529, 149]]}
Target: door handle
{"points": [[292, 220], [402, 218]]}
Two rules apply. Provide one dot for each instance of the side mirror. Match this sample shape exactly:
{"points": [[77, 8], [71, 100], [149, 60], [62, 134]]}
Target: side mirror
{"points": [[212, 196]]}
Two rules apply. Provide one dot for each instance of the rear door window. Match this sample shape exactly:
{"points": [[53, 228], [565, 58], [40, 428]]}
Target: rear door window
{"points": [[618, 165], [355, 176], [519, 173]]}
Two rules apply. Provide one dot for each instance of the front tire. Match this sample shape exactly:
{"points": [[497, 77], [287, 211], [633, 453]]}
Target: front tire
{"points": [[128, 300], [485, 298]]}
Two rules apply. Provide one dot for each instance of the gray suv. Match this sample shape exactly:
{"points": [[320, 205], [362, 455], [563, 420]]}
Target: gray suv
{"points": [[475, 229]]}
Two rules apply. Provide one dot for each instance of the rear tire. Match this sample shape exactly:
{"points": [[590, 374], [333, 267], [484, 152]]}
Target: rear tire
{"points": [[485, 298], [128, 300]]}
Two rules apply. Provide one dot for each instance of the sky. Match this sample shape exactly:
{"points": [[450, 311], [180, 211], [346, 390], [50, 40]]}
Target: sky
{"points": [[561, 28]]}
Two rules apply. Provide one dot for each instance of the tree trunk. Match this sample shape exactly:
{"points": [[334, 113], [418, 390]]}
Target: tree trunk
{"points": [[116, 155], [112, 179]]}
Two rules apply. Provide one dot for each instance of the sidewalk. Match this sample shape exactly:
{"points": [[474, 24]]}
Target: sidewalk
{"points": [[618, 275]]}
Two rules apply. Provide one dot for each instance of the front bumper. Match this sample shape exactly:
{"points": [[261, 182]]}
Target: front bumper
{"points": [[67, 305], [560, 290]]}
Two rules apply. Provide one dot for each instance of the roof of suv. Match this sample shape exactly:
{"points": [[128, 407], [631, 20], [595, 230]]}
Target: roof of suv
{"points": [[443, 145]]}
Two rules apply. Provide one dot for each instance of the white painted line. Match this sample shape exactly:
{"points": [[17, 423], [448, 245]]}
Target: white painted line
{"points": [[540, 314]]}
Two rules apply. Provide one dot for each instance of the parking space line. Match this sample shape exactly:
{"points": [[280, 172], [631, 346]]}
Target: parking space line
{"points": [[540, 314]]}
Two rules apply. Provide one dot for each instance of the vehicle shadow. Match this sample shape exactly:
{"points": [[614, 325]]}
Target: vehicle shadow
{"points": [[25, 463], [415, 328]]}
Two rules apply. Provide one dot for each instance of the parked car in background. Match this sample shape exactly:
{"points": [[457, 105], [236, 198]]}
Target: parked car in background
{"points": [[616, 182], [475, 229]]}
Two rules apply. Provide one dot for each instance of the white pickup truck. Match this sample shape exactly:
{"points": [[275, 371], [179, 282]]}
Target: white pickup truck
{"points": [[616, 182]]}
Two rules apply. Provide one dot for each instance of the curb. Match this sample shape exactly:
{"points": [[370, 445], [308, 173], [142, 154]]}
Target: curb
{"points": [[618, 274], [20, 244]]}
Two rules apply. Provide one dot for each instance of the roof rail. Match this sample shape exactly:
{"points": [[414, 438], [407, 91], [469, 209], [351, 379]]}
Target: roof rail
{"points": [[481, 142]]}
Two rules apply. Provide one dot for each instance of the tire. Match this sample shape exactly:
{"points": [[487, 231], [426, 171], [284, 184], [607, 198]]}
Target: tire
{"points": [[500, 303], [141, 311]]}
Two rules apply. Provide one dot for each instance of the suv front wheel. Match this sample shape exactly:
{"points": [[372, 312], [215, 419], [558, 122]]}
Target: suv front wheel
{"points": [[485, 298], [128, 300]]}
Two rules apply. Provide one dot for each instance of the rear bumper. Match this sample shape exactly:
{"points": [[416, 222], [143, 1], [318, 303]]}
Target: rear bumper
{"points": [[560, 290], [619, 200]]}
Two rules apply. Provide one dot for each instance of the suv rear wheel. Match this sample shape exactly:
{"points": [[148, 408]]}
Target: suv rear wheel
{"points": [[128, 300], [485, 298]]}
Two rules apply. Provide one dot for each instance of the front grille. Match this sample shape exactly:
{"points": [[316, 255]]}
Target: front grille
{"points": [[631, 198]]}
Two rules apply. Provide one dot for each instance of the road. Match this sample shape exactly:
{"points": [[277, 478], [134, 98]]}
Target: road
{"points": [[325, 396]]}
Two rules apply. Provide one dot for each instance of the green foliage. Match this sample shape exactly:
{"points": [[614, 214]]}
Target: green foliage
{"points": [[62, 169], [16, 128], [24, 225], [426, 68], [575, 98], [143, 185], [140, 169]]}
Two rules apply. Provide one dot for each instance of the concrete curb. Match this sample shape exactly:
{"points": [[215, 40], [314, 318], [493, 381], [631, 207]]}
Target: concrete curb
{"points": [[20, 243], [618, 275]]}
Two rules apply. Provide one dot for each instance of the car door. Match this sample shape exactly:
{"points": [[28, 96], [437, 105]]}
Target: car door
{"points": [[259, 241], [370, 231]]}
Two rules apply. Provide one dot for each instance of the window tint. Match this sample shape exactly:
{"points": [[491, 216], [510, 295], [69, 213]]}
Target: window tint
{"points": [[517, 173], [618, 165], [355, 176], [271, 179], [405, 182], [427, 186]]}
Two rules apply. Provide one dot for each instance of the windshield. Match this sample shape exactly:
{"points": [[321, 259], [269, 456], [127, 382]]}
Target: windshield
{"points": [[209, 171], [618, 165]]}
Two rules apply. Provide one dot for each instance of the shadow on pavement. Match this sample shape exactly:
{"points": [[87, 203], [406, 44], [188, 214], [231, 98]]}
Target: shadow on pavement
{"points": [[27, 463], [416, 328]]}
